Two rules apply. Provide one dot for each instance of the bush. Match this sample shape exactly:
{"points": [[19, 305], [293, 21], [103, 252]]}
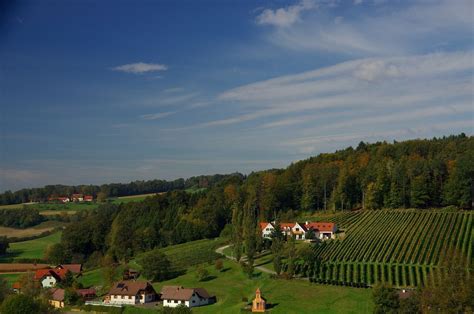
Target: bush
{"points": [[202, 273], [219, 264]]}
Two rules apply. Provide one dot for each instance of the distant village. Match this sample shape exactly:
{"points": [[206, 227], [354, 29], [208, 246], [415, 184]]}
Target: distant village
{"points": [[72, 198]]}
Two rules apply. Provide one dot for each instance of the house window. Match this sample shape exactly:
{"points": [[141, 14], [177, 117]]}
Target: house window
{"points": [[175, 301], [297, 229]]}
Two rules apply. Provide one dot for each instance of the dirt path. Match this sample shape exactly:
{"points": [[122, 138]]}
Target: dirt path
{"points": [[221, 249]]}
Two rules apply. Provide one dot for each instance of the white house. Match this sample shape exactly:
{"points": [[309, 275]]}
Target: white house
{"points": [[267, 229], [174, 296], [288, 228], [50, 277], [130, 292], [323, 230]]}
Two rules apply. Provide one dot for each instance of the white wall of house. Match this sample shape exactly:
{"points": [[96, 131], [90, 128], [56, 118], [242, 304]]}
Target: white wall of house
{"points": [[123, 299], [194, 301], [267, 231], [299, 231], [48, 282], [174, 303]]}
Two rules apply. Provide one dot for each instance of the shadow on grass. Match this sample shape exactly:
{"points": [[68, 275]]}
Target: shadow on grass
{"points": [[209, 278], [225, 270], [271, 305]]}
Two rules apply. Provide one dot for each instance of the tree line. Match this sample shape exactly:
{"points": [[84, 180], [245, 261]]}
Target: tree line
{"points": [[109, 190], [416, 173]]}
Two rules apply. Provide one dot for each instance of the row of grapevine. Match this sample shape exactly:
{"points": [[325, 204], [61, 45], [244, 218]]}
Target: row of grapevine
{"points": [[399, 247]]}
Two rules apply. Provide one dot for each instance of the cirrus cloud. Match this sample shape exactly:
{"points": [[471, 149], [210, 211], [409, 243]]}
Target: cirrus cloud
{"points": [[140, 67]]}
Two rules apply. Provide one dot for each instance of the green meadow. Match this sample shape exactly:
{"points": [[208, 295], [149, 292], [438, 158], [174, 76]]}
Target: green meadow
{"points": [[32, 249], [232, 287]]}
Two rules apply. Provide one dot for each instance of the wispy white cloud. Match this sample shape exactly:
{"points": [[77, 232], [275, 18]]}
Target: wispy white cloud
{"points": [[156, 116], [284, 17], [393, 31], [140, 67]]}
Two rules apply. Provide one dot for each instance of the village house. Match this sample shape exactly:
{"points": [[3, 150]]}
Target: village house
{"points": [[57, 298], [87, 294], [77, 197], [130, 292], [88, 198], [50, 277], [174, 296], [322, 230]]}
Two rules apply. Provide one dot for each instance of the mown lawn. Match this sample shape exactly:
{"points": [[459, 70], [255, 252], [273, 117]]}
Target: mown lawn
{"points": [[287, 296], [32, 249]]}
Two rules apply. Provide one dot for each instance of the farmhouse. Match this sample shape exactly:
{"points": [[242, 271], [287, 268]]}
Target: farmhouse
{"points": [[57, 298], [77, 198], [174, 296], [86, 294], [131, 292], [50, 277], [322, 230]]}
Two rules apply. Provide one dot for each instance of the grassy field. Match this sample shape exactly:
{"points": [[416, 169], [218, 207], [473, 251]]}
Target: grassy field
{"points": [[28, 232], [32, 249], [92, 278], [287, 296], [10, 278]]}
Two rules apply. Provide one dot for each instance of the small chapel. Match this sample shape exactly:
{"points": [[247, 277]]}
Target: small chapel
{"points": [[259, 303]]}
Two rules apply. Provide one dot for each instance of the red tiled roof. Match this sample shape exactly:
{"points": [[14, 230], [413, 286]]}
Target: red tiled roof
{"points": [[16, 285], [57, 273], [320, 226], [285, 225], [40, 273], [88, 197], [263, 225]]}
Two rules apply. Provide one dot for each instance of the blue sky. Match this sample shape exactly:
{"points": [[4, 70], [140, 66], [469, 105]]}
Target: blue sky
{"points": [[114, 91]]}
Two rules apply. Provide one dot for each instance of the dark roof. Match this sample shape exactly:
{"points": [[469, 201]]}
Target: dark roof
{"points": [[73, 268], [181, 293], [57, 294], [85, 292], [129, 287]]}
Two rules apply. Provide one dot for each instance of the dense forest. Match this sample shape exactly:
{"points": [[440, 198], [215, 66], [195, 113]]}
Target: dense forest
{"points": [[417, 173], [20, 218], [109, 190]]}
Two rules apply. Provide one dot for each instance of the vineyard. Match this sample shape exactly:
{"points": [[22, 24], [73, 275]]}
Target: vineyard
{"points": [[399, 247]]}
